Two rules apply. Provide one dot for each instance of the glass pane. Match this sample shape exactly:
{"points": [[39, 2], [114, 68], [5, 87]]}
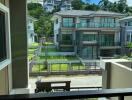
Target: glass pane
{"points": [[2, 37]]}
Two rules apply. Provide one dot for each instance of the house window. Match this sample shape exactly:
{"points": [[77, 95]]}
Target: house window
{"points": [[129, 23], [68, 22], [2, 37], [106, 39], [89, 37]]}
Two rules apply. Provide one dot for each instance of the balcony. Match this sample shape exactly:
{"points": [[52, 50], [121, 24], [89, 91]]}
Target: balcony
{"points": [[97, 25], [72, 95], [68, 25], [109, 43]]}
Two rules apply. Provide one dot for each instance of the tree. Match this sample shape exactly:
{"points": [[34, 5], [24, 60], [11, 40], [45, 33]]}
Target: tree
{"points": [[104, 5], [44, 25], [122, 6], [91, 7], [77, 4], [129, 46]]}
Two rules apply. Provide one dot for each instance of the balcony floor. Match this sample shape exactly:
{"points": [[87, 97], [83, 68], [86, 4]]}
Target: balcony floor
{"points": [[76, 81]]}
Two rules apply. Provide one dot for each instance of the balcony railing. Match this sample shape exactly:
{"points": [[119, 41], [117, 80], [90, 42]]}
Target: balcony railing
{"points": [[68, 25], [109, 43], [120, 93], [97, 25]]}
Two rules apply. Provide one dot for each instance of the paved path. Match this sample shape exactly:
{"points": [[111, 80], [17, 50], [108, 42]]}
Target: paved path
{"points": [[77, 80]]}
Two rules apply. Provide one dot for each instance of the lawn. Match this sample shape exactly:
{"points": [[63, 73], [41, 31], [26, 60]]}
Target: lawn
{"points": [[34, 45], [65, 58], [57, 67], [31, 50], [48, 50]]}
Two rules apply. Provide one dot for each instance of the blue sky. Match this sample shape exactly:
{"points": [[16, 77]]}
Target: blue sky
{"points": [[129, 2], [93, 1]]}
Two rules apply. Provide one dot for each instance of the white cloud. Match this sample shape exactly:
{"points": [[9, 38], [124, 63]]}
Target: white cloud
{"points": [[129, 2]]}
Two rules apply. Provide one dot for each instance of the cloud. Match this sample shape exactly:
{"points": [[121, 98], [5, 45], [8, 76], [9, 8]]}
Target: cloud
{"points": [[129, 2]]}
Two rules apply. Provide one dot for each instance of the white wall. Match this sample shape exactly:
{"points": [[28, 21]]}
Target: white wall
{"points": [[30, 31], [56, 29]]}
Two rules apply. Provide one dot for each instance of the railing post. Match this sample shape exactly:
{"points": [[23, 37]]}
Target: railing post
{"points": [[121, 98]]}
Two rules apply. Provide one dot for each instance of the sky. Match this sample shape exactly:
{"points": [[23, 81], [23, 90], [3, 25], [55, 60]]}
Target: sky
{"points": [[129, 2]]}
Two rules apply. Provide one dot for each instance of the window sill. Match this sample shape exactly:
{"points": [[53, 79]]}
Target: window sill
{"points": [[4, 63]]}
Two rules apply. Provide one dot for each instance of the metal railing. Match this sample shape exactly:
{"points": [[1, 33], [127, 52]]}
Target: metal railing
{"points": [[68, 25], [120, 93], [97, 25], [107, 43]]}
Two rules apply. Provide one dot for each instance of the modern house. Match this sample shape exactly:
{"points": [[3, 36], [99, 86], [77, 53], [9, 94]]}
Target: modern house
{"points": [[13, 47], [90, 34], [50, 5], [35, 1], [126, 32], [116, 74], [31, 35]]}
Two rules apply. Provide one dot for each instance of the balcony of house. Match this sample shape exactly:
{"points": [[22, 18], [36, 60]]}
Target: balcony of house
{"points": [[68, 22], [97, 26], [109, 45], [68, 25], [89, 39]]}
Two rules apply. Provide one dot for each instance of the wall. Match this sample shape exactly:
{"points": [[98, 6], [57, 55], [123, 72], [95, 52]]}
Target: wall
{"points": [[4, 81], [119, 77]]}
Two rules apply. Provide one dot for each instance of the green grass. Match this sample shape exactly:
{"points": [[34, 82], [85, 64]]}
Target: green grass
{"points": [[34, 45], [39, 68], [57, 67], [49, 50], [66, 58]]}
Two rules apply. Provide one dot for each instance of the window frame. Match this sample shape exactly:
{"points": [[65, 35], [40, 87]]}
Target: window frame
{"points": [[6, 61]]}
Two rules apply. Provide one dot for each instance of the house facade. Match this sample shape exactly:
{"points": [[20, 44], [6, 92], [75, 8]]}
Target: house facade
{"points": [[126, 32], [13, 47], [90, 34], [50, 5], [31, 35]]}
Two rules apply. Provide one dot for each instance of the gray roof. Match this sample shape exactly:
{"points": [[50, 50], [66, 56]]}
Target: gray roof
{"points": [[126, 18], [87, 13]]}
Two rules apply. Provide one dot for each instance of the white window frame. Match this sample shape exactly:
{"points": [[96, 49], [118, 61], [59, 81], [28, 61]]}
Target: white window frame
{"points": [[7, 61]]}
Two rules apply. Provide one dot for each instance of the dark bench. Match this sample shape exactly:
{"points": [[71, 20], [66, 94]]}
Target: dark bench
{"points": [[48, 86]]}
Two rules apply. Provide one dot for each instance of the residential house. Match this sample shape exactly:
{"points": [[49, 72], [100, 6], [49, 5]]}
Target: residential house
{"points": [[31, 35], [126, 32], [116, 73], [90, 34], [35, 1], [50, 5], [13, 47]]}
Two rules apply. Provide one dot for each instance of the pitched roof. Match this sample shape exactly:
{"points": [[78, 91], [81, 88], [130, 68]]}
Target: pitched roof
{"points": [[126, 18], [87, 13]]}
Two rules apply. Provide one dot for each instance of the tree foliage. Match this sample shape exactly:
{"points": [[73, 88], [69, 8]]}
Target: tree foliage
{"points": [[43, 27], [77, 4]]}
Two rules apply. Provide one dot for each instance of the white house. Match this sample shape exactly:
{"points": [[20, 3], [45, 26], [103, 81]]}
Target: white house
{"points": [[30, 30], [50, 5]]}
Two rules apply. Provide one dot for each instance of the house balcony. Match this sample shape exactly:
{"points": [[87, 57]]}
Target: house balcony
{"points": [[89, 42], [97, 26], [109, 45], [68, 25]]}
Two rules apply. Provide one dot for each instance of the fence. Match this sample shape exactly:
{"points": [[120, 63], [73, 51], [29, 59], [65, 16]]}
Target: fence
{"points": [[58, 67]]}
